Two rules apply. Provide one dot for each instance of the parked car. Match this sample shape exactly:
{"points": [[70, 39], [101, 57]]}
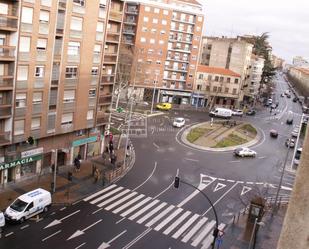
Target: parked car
{"points": [[179, 122], [237, 112], [251, 112], [282, 95], [244, 152], [273, 133], [28, 205], [2, 222], [295, 132], [290, 141], [164, 106], [288, 95], [295, 99]]}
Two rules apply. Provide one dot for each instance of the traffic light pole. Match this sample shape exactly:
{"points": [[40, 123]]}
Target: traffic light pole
{"points": [[216, 231], [55, 170]]}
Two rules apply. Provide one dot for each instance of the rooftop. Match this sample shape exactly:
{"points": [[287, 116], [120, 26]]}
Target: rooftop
{"points": [[217, 70]]}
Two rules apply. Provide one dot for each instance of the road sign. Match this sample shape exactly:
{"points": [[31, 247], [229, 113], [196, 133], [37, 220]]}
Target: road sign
{"points": [[119, 109]]}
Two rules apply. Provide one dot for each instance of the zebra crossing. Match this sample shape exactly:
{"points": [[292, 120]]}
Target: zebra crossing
{"points": [[160, 216]]}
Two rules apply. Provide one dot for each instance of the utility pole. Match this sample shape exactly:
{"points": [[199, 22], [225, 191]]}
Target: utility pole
{"points": [[128, 130], [55, 170], [154, 93]]}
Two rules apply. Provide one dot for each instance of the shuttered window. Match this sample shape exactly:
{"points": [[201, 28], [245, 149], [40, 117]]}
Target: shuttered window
{"points": [[67, 118], [76, 23], [35, 123], [27, 14], [37, 97], [24, 44], [22, 73], [90, 114], [41, 44], [69, 95], [19, 127]]}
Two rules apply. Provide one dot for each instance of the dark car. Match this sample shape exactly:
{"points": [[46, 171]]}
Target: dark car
{"points": [[295, 99], [288, 95], [290, 142], [273, 133], [251, 112]]}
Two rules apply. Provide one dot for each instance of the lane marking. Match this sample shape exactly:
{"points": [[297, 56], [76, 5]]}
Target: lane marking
{"points": [[120, 201], [194, 229], [46, 238], [56, 222], [245, 190], [117, 236], [61, 209], [249, 182], [236, 161], [39, 220], [80, 232], [80, 245], [221, 179], [185, 226], [132, 209], [219, 186], [117, 222], [24, 227], [190, 159], [151, 174], [155, 145], [100, 192], [137, 238], [241, 182], [76, 202], [229, 180], [97, 211], [220, 198], [261, 157], [152, 212], [53, 213], [8, 234]]}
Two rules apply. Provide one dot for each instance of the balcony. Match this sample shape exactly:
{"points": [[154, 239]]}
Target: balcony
{"points": [[6, 83], [129, 31], [180, 69], [26, 27], [130, 21], [62, 4], [5, 111], [187, 41], [8, 23], [112, 38], [5, 137], [115, 15], [183, 20], [180, 49], [105, 100], [35, 133], [102, 119], [65, 128], [190, 31], [7, 53], [19, 138], [173, 79], [91, 102], [107, 80], [110, 59]]}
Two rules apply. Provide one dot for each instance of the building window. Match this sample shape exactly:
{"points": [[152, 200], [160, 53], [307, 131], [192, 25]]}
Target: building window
{"points": [[236, 81], [152, 41], [162, 32], [161, 42], [143, 39], [94, 71], [19, 127], [73, 48], [226, 90], [156, 10], [234, 91], [97, 49], [193, 57], [44, 16], [200, 76], [67, 118], [214, 89], [160, 52], [147, 8], [200, 18], [24, 44], [22, 73], [190, 75], [4, 8], [76, 23], [219, 89], [21, 100], [37, 97], [148, 62], [209, 77], [79, 2], [150, 51], [146, 19], [39, 71], [165, 12], [41, 44], [70, 72], [100, 27], [153, 31], [144, 29], [35, 123], [158, 62], [208, 88], [46, 3], [217, 78], [155, 20], [221, 79], [26, 15], [164, 22], [92, 92], [228, 79], [90, 114], [69, 96], [198, 28], [199, 87]]}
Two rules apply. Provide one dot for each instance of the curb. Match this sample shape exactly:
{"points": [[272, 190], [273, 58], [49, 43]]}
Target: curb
{"points": [[155, 114], [186, 142]]}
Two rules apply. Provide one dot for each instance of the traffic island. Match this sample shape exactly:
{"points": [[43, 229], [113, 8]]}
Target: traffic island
{"points": [[221, 135]]}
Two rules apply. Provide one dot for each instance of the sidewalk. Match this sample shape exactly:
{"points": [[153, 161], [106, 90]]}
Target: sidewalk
{"points": [[236, 237], [82, 184]]}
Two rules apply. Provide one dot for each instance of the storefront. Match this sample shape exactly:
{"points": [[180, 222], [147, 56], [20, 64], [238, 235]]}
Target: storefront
{"points": [[87, 147], [175, 97], [199, 100]]}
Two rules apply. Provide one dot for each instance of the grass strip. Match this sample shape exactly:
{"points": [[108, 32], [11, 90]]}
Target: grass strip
{"points": [[230, 140]]}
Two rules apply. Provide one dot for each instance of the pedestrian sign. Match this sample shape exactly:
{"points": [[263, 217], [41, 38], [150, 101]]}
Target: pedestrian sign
{"points": [[119, 109]]}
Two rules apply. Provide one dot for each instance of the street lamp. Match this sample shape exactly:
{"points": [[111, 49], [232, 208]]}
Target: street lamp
{"points": [[154, 93], [253, 234], [216, 230]]}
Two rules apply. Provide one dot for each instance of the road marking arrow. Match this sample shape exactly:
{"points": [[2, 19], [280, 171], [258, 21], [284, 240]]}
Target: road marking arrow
{"points": [[106, 245], [219, 186], [56, 222], [245, 190], [80, 232]]}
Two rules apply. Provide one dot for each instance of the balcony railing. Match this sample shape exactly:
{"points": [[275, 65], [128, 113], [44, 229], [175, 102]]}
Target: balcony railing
{"points": [[65, 128], [6, 82], [7, 53], [112, 38], [39, 83], [110, 59], [130, 21], [104, 119], [21, 84], [62, 4], [26, 27], [105, 100], [35, 133], [5, 137], [115, 15], [129, 31], [71, 82], [8, 23], [37, 108], [20, 111]]}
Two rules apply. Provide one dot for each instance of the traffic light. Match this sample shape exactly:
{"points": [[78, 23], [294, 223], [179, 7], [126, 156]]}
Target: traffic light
{"points": [[176, 182], [70, 176], [30, 140]]}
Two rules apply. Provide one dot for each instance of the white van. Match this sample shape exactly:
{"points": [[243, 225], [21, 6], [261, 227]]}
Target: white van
{"points": [[221, 112], [28, 205]]}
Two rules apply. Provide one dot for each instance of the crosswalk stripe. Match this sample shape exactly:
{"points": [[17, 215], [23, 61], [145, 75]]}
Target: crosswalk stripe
{"points": [[128, 204], [143, 210], [100, 192], [120, 201], [209, 239], [204, 231], [113, 198], [194, 229], [185, 226], [132, 209], [168, 219], [158, 217], [152, 212], [106, 195], [177, 222]]}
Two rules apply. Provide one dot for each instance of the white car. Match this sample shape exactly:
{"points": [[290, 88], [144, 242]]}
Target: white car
{"points": [[295, 132], [237, 112], [2, 221], [179, 122], [244, 152]]}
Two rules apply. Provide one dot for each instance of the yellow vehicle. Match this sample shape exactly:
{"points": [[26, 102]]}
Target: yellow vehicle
{"points": [[164, 106]]}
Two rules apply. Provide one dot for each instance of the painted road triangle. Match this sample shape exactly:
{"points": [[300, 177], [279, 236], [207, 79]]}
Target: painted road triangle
{"points": [[219, 186], [245, 190]]}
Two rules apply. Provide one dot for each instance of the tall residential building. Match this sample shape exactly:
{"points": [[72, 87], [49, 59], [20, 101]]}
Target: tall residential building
{"points": [[162, 40], [229, 53], [58, 62]]}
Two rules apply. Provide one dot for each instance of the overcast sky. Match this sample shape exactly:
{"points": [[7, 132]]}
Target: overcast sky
{"points": [[287, 22]]}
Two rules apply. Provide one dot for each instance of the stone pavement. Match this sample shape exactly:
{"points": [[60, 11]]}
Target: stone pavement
{"points": [[237, 237], [83, 182]]}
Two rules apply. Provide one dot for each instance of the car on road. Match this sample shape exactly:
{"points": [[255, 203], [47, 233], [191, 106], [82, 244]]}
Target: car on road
{"points": [[179, 122], [221, 113], [282, 95], [273, 133], [237, 112], [295, 99], [289, 119], [288, 96], [251, 112], [164, 106], [244, 152], [295, 132], [2, 222], [290, 142]]}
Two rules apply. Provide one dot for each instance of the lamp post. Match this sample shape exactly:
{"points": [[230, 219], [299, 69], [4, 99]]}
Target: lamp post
{"points": [[253, 234], [154, 93], [216, 230]]}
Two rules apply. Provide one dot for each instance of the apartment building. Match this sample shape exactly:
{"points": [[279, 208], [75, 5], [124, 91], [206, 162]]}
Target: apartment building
{"points": [[229, 53], [277, 62], [58, 61], [216, 87], [163, 39]]}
